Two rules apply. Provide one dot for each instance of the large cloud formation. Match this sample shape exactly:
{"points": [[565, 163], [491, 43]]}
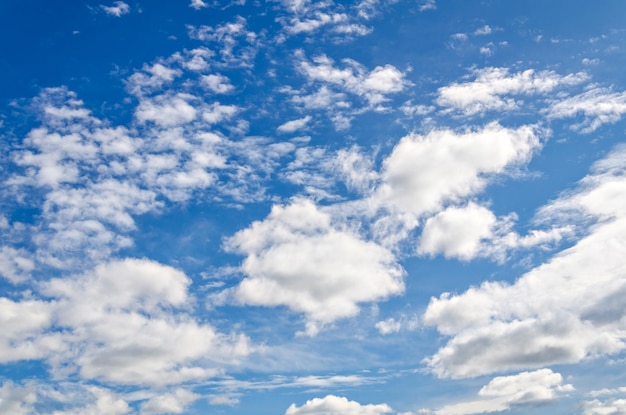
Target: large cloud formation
{"points": [[563, 311]]}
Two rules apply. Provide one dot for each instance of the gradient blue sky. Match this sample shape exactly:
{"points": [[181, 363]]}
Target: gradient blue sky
{"points": [[312, 207]]}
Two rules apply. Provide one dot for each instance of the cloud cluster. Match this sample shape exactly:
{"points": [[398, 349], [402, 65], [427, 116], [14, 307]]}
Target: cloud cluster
{"points": [[555, 313], [507, 392], [296, 257], [598, 106], [335, 405], [494, 89], [354, 78], [424, 172], [118, 9], [136, 334]]}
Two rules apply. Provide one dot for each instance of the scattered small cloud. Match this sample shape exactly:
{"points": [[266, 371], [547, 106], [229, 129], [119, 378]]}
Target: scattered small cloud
{"points": [[118, 9]]}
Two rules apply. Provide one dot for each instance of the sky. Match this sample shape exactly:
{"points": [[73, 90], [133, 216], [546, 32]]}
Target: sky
{"points": [[296, 207]]}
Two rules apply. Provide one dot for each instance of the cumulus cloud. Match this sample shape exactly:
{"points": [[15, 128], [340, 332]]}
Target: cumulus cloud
{"points": [[129, 336], [100, 401], [467, 232], [95, 177], [555, 313], [507, 392], [217, 83], [15, 399], [166, 111], [423, 172], [374, 85], [427, 5], [297, 258], [457, 232], [236, 44], [169, 403], [494, 89], [598, 106], [151, 78], [608, 407], [197, 4], [294, 125], [118, 9], [335, 405], [15, 264]]}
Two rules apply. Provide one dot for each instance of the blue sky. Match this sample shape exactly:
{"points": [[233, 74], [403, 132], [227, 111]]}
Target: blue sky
{"points": [[312, 207]]}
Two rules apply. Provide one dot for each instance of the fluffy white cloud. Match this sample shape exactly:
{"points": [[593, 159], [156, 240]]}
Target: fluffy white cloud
{"points": [[423, 172], [132, 335], [296, 257], [609, 407], [294, 125], [388, 326], [457, 232], [335, 405], [118, 9], [101, 401], [219, 84], [236, 44], [598, 105], [374, 86], [23, 326], [151, 78], [493, 88], [467, 232], [169, 403], [197, 4], [166, 111], [95, 178], [16, 400], [557, 312], [506, 392], [15, 264]]}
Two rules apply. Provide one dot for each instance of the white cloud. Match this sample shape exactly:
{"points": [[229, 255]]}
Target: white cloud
{"points": [[427, 5], [23, 323], [151, 78], [555, 313], [217, 113], [198, 4], [395, 325], [457, 232], [236, 45], [317, 20], [335, 405], [374, 86], [294, 125], [169, 403], [507, 392], [16, 400], [467, 232], [15, 264], [324, 98], [219, 84], [118, 9], [609, 407], [598, 105], [388, 326], [103, 401], [223, 400], [423, 172], [166, 111], [130, 336], [297, 258], [493, 88], [484, 30]]}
